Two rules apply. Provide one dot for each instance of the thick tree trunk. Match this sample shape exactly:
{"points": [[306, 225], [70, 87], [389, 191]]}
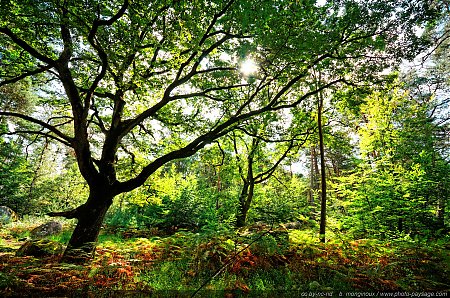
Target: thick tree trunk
{"points": [[90, 217]]}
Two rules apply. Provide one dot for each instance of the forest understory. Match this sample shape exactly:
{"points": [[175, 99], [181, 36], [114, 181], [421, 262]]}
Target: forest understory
{"points": [[256, 263]]}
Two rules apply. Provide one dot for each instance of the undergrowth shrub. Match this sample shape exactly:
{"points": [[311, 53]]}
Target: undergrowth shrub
{"points": [[184, 209], [279, 204], [266, 245], [166, 276], [273, 280], [212, 253]]}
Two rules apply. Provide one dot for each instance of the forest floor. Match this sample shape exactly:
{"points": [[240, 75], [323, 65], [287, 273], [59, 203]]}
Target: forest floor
{"points": [[227, 264]]}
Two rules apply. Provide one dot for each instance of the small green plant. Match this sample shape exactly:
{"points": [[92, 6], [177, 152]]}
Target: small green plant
{"points": [[274, 280], [63, 237], [266, 245], [166, 276], [7, 281], [303, 237]]}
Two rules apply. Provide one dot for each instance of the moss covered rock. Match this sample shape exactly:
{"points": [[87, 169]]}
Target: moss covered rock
{"points": [[40, 248]]}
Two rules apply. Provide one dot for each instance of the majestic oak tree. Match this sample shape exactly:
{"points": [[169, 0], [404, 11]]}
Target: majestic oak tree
{"points": [[159, 80]]}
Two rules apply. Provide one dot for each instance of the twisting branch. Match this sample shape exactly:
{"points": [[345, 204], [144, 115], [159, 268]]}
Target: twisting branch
{"points": [[438, 43], [279, 181], [68, 140], [114, 18], [37, 133], [130, 124], [205, 36], [216, 17], [308, 94], [219, 131], [181, 80], [222, 153], [293, 81], [268, 140], [66, 37], [262, 84], [99, 123], [26, 74], [74, 213], [261, 177], [27, 47], [100, 51], [206, 91]]}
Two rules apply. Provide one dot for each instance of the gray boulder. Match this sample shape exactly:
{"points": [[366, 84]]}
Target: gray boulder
{"points": [[294, 225], [258, 226], [40, 248], [47, 229], [7, 215]]}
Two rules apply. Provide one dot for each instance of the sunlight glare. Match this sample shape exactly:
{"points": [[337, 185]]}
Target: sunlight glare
{"points": [[248, 67], [321, 3]]}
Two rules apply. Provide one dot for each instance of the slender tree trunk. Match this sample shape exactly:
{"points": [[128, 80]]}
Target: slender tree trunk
{"points": [[90, 217], [219, 188], [245, 201], [441, 206], [314, 184], [323, 205], [316, 168], [311, 178], [246, 197], [400, 224]]}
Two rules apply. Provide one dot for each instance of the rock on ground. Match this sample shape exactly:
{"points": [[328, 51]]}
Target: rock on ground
{"points": [[7, 215], [294, 225], [47, 229], [40, 248]]}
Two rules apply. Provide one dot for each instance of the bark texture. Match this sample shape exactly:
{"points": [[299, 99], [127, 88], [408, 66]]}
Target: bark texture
{"points": [[81, 247]]}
